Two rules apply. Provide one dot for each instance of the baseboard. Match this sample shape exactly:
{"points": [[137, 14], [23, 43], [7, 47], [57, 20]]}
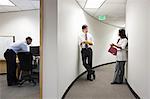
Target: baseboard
{"points": [[133, 92], [63, 97], [104, 64], [3, 73]]}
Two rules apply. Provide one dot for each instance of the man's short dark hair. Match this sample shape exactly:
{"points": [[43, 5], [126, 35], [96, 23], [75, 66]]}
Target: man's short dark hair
{"points": [[29, 38], [84, 26]]}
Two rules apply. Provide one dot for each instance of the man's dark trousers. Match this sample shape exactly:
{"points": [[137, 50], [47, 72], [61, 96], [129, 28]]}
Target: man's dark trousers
{"points": [[10, 57], [87, 59]]}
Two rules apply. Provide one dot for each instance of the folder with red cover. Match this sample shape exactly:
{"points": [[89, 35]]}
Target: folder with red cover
{"points": [[112, 50]]}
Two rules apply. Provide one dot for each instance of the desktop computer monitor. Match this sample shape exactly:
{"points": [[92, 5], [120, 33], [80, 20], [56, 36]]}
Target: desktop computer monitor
{"points": [[35, 50]]}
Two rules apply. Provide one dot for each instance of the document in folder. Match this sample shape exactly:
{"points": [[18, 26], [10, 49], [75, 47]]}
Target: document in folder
{"points": [[112, 50]]}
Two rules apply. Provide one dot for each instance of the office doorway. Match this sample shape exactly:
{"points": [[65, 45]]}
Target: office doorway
{"points": [[21, 19]]}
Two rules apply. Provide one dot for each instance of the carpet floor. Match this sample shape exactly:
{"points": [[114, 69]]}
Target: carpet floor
{"points": [[99, 88], [27, 91]]}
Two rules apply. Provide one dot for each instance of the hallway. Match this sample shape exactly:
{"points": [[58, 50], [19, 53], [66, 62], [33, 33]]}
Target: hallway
{"points": [[62, 63], [100, 88]]}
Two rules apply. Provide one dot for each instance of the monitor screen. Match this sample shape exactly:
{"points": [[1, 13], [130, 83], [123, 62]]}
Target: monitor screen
{"points": [[35, 50]]}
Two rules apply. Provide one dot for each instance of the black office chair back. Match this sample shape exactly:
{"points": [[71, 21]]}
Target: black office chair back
{"points": [[25, 61]]}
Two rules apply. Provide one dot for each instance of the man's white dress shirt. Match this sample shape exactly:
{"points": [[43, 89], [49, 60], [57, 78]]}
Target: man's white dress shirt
{"points": [[82, 38], [19, 47]]}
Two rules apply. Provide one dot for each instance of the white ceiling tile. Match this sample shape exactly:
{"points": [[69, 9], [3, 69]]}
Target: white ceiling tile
{"points": [[22, 5], [92, 11], [25, 4], [117, 1], [82, 2], [113, 9], [11, 8]]}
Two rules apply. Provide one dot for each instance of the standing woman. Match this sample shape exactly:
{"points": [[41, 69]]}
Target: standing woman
{"points": [[121, 57]]}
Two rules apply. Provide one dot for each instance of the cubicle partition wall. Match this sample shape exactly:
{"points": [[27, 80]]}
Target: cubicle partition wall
{"points": [[5, 42]]}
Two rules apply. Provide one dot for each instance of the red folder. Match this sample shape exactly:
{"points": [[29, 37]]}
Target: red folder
{"points": [[112, 50]]}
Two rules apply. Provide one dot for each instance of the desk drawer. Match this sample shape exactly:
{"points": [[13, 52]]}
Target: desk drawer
{"points": [[3, 68]]}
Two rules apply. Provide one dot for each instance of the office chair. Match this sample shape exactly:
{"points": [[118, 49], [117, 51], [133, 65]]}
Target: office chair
{"points": [[35, 70], [25, 63]]}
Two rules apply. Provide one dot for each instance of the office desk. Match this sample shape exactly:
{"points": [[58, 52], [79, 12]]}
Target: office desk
{"points": [[3, 69]]}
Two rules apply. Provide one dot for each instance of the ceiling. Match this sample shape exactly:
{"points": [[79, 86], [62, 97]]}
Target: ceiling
{"points": [[114, 10], [21, 5]]}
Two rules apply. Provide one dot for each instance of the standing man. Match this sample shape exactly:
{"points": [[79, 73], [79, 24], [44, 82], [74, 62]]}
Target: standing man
{"points": [[10, 56], [86, 42]]}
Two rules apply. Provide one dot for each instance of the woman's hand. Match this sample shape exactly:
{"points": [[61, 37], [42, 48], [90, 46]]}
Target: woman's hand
{"points": [[112, 44]]}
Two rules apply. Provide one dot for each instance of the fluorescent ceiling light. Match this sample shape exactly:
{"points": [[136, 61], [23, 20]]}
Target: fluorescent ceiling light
{"points": [[6, 3], [94, 3]]}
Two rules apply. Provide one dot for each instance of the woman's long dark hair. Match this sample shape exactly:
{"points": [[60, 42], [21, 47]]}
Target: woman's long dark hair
{"points": [[122, 34]]}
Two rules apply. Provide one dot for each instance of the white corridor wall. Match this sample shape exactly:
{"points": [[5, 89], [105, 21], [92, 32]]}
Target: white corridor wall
{"points": [[60, 71], [21, 24], [137, 26], [49, 34], [70, 20]]}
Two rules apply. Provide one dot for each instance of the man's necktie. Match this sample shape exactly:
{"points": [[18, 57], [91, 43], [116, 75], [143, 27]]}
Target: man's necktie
{"points": [[86, 45]]}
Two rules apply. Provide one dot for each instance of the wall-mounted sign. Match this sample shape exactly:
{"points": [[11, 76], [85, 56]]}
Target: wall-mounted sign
{"points": [[102, 17]]}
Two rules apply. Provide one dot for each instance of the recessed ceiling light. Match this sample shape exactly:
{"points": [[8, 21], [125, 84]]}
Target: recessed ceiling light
{"points": [[6, 3], [94, 3]]}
